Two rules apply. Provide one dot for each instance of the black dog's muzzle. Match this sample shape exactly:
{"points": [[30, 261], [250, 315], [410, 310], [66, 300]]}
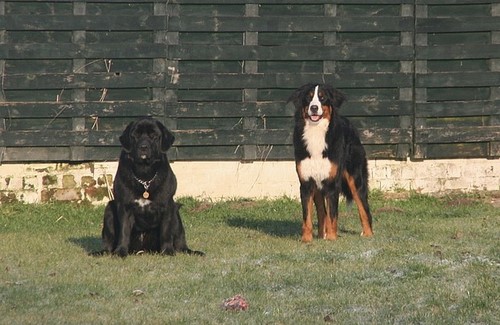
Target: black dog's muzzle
{"points": [[144, 149]]}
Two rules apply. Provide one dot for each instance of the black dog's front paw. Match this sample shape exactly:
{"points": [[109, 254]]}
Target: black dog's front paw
{"points": [[168, 250], [121, 251]]}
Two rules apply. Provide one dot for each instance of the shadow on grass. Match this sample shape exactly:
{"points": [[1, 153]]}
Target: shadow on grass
{"points": [[278, 228], [90, 244]]}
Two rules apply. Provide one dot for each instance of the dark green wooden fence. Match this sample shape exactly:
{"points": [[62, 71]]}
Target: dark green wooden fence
{"points": [[422, 76]]}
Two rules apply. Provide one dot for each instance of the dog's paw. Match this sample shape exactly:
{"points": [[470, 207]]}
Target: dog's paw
{"points": [[121, 251], [168, 250]]}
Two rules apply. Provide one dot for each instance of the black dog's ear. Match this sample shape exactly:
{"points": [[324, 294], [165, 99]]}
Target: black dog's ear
{"points": [[125, 138], [297, 97], [167, 138], [337, 97]]}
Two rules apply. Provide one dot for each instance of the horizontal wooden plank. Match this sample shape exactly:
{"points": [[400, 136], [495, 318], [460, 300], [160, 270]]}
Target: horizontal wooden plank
{"points": [[457, 109], [458, 79], [82, 51], [457, 134], [24, 110], [281, 109], [61, 138], [268, 2], [457, 24], [453, 2], [82, 22], [291, 24], [56, 154], [265, 153], [268, 153], [462, 51], [84, 80], [199, 81], [284, 80], [292, 1], [291, 53], [101, 1], [457, 150]]}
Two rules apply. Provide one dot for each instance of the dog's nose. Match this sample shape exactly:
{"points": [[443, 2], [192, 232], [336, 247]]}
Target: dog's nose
{"points": [[143, 147], [314, 109]]}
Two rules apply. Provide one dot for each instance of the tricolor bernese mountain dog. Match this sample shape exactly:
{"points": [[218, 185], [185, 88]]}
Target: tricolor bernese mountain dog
{"points": [[330, 160]]}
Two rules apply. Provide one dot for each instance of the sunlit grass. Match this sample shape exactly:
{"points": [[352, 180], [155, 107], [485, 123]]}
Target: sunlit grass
{"points": [[432, 260]]}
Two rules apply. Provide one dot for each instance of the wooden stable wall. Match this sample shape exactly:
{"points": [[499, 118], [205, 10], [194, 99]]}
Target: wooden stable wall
{"points": [[422, 76]]}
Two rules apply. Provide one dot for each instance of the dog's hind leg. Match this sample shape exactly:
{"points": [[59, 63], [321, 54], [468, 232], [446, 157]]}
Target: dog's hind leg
{"points": [[359, 191]]}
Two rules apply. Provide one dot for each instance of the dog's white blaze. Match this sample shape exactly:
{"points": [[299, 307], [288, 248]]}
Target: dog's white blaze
{"points": [[142, 202], [315, 102], [316, 167]]}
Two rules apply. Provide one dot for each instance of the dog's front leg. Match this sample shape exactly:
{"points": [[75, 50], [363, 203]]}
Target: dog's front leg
{"points": [[332, 214], [168, 228], [126, 222], [307, 201]]}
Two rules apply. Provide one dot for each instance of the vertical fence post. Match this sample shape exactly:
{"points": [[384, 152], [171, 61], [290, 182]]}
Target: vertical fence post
{"points": [[494, 146], [3, 121], [406, 94], [78, 95], [419, 150], [250, 95], [329, 38], [160, 65], [168, 66]]}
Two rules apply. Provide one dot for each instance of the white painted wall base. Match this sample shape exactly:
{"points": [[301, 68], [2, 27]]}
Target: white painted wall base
{"points": [[224, 180]]}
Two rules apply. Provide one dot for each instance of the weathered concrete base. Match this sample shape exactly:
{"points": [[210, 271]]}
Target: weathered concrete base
{"points": [[92, 182]]}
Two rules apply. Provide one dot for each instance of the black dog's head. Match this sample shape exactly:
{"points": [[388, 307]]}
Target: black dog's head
{"points": [[146, 139], [314, 102]]}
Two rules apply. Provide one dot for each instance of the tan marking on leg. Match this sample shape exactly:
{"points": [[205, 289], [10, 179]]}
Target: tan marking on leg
{"points": [[299, 172], [331, 224], [333, 171], [363, 216]]}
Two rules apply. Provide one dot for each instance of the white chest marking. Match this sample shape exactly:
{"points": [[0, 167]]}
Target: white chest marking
{"points": [[316, 167], [142, 202]]}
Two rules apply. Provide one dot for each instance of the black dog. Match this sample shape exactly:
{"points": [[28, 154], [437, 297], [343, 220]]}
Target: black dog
{"points": [[330, 160], [143, 215]]}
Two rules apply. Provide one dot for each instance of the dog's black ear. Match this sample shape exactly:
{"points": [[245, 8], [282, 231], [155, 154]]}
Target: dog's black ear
{"points": [[337, 97], [297, 97], [125, 138], [167, 138]]}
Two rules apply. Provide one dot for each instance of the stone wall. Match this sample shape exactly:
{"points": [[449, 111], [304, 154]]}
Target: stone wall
{"points": [[92, 182]]}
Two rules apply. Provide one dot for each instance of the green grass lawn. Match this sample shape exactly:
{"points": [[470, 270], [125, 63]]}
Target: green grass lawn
{"points": [[431, 261]]}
